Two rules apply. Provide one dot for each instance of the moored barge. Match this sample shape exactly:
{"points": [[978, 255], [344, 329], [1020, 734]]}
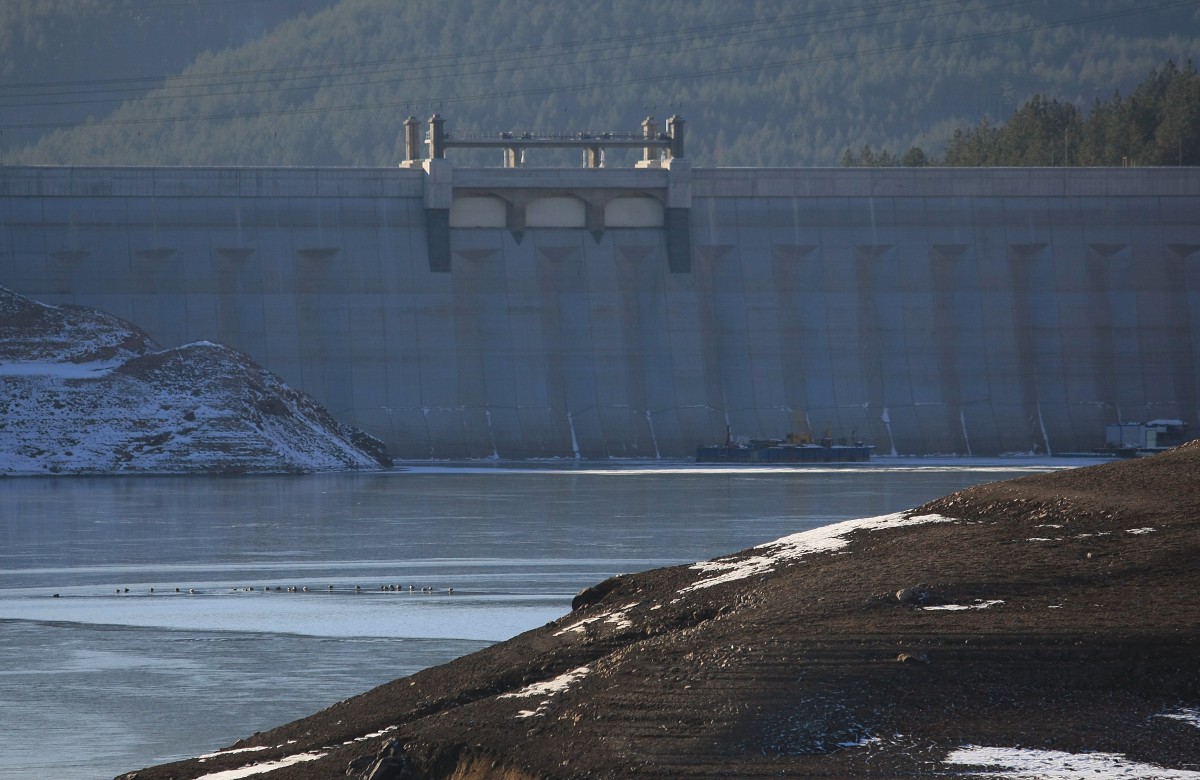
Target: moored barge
{"points": [[793, 449]]}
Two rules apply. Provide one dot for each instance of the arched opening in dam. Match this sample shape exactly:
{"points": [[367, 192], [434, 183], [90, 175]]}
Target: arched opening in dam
{"points": [[479, 211], [556, 211], [634, 211]]}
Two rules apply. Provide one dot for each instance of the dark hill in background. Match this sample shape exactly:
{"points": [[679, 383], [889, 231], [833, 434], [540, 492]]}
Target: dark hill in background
{"points": [[767, 83]]}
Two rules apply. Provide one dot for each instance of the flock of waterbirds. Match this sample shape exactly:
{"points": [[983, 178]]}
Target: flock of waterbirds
{"points": [[427, 589]]}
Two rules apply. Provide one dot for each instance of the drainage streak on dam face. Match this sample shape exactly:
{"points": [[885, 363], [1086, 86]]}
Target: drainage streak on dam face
{"points": [[599, 312]]}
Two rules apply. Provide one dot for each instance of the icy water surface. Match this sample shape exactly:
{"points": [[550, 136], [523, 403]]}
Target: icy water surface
{"points": [[100, 680]]}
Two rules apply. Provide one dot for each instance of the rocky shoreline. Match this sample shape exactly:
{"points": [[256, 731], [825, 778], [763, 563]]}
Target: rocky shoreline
{"points": [[1052, 618]]}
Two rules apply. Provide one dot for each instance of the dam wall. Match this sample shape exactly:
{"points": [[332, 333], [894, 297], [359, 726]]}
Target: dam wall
{"points": [[516, 313]]}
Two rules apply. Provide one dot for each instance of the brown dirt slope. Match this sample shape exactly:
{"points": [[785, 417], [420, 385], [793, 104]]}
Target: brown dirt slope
{"points": [[813, 666]]}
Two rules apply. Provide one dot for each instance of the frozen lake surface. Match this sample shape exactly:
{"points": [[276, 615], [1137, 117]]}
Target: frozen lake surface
{"points": [[101, 680]]}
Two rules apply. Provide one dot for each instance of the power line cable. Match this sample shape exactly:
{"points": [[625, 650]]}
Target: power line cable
{"points": [[457, 59], [575, 88], [516, 64]]}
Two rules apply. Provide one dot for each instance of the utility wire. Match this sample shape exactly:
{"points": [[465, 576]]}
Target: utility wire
{"points": [[457, 59], [581, 87], [459, 70]]}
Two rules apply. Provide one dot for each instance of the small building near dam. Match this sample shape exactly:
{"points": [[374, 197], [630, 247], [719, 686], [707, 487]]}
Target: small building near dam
{"points": [[597, 312]]}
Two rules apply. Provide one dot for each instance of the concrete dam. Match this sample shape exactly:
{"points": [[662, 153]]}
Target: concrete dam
{"points": [[600, 312]]}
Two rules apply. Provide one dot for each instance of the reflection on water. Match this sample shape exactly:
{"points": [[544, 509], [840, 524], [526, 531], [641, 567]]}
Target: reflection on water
{"points": [[100, 680]]}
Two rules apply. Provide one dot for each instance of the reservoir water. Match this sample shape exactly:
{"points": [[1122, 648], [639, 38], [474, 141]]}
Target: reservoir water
{"points": [[135, 628]]}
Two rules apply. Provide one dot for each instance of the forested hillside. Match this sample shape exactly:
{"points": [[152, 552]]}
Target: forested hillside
{"points": [[1158, 123], [769, 82], [63, 61]]}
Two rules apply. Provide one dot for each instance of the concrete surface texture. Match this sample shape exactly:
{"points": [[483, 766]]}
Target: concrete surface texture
{"points": [[636, 313]]}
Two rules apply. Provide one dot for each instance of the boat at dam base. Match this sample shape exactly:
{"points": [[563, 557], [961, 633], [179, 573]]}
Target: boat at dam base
{"points": [[793, 449]]}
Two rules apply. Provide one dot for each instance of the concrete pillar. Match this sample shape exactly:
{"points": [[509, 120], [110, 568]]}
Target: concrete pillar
{"points": [[595, 218], [412, 139], [649, 153], [678, 215], [675, 130], [679, 183], [439, 184], [513, 156], [516, 216], [437, 240], [593, 157], [437, 137], [439, 197]]}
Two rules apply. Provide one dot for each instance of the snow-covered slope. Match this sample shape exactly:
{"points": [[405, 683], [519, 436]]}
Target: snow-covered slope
{"points": [[83, 392]]}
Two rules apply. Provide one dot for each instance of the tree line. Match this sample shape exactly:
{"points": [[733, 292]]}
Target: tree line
{"points": [[1156, 124]]}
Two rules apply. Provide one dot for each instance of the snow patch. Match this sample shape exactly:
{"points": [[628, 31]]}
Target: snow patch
{"points": [[548, 689], [617, 618], [1186, 714], [230, 752], [826, 539], [270, 766], [59, 370], [258, 769], [979, 604], [1028, 764], [372, 735], [1140, 531], [863, 742]]}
